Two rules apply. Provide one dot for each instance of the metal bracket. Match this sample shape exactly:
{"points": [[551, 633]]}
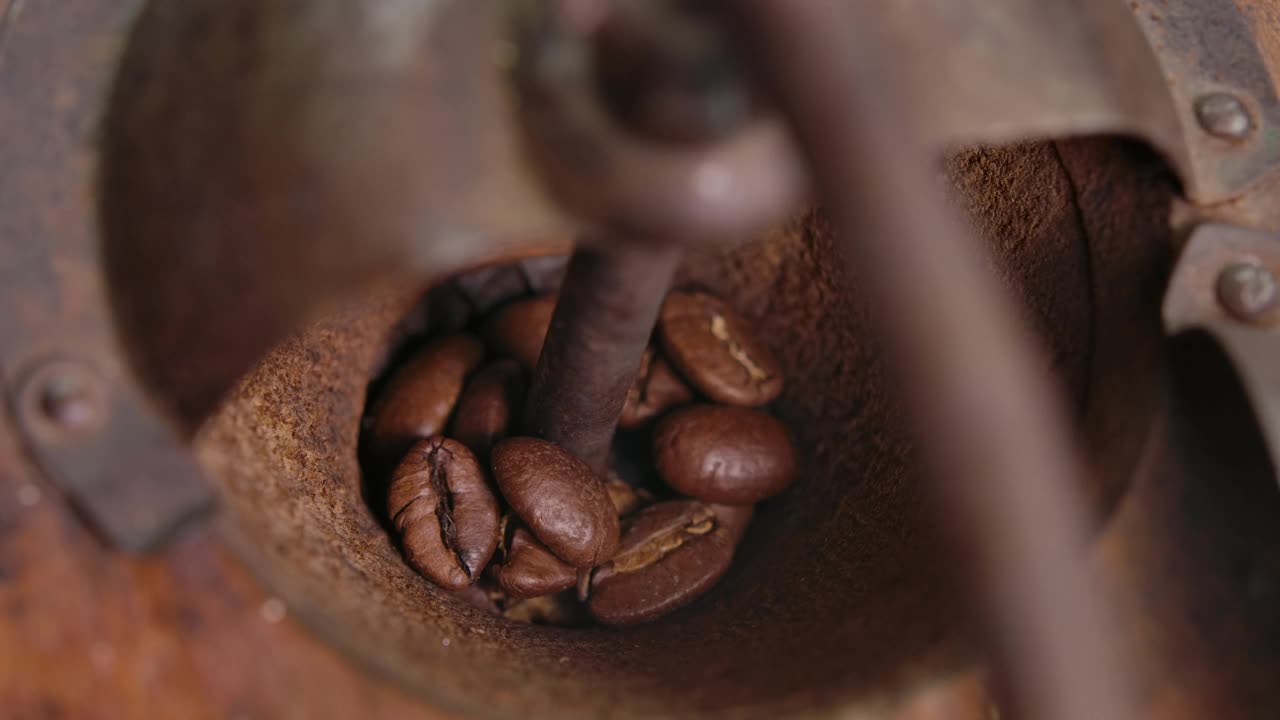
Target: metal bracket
{"points": [[1217, 56], [96, 438], [1226, 286], [85, 422]]}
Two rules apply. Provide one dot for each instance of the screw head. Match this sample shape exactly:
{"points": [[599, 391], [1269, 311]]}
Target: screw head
{"points": [[63, 399], [1224, 116], [67, 403], [1248, 291]]}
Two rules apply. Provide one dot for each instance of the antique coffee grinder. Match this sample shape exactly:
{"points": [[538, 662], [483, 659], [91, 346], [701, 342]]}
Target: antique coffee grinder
{"points": [[1018, 258]]}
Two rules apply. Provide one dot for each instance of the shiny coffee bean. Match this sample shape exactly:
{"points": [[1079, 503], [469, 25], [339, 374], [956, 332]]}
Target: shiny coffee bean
{"points": [[670, 554], [559, 498], [655, 390], [727, 455], [420, 395], [712, 347], [530, 569], [447, 517], [489, 287], [518, 330], [489, 405]]}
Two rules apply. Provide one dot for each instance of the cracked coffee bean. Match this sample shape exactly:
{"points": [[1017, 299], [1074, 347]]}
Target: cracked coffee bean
{"points": [[558, 557], [712, 347], [727, 455], [530, 569], [418, 399], [489, 405], [655, 390], [441, 505], [518, 330], [670, 554], [559, 498]]}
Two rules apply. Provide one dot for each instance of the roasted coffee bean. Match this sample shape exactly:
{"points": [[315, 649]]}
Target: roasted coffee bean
{"points": [[559, 498], [489, 405], [518, 330], [545, 273], [655, 390], [418, 399], [560, 609], [670, 554], [727, 455], [447, 517], [489, 287], [712, 347], [530, 569]]}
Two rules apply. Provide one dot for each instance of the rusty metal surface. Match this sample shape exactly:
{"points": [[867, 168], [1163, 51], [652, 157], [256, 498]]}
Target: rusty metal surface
{"points": [[1007, 486], [1211, 52], [1194, 303], [1192, 556], [86, 423], [997, 71], [1123, 194], [1256, 208]]}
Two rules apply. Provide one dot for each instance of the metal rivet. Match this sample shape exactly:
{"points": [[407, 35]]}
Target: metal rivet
{"points": [[1248, 291], [68, 402], [1224, 116], [63, 399]]}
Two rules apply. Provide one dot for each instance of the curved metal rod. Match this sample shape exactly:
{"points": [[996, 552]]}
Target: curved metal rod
{"points": [[718, 191], [1004, 473]]}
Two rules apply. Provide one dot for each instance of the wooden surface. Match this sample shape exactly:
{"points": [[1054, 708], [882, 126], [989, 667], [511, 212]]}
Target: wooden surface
{"points": [[89, 633]]}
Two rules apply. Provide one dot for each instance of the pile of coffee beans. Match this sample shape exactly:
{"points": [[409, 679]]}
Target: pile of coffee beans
{"points": [[521, 527]]}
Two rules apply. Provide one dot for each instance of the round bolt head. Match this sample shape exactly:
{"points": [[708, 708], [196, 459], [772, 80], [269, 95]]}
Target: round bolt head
{"points": [[62, 400], [66, 402], [1224, 116], [1249, 292]]}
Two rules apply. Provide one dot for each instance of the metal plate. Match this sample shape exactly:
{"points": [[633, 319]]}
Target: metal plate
{"points": [[85, 422], [1192, 305], [1218, 46]]}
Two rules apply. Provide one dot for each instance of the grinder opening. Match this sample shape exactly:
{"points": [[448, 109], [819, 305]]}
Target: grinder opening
{"points": [[837, 595], [834, 589]]}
